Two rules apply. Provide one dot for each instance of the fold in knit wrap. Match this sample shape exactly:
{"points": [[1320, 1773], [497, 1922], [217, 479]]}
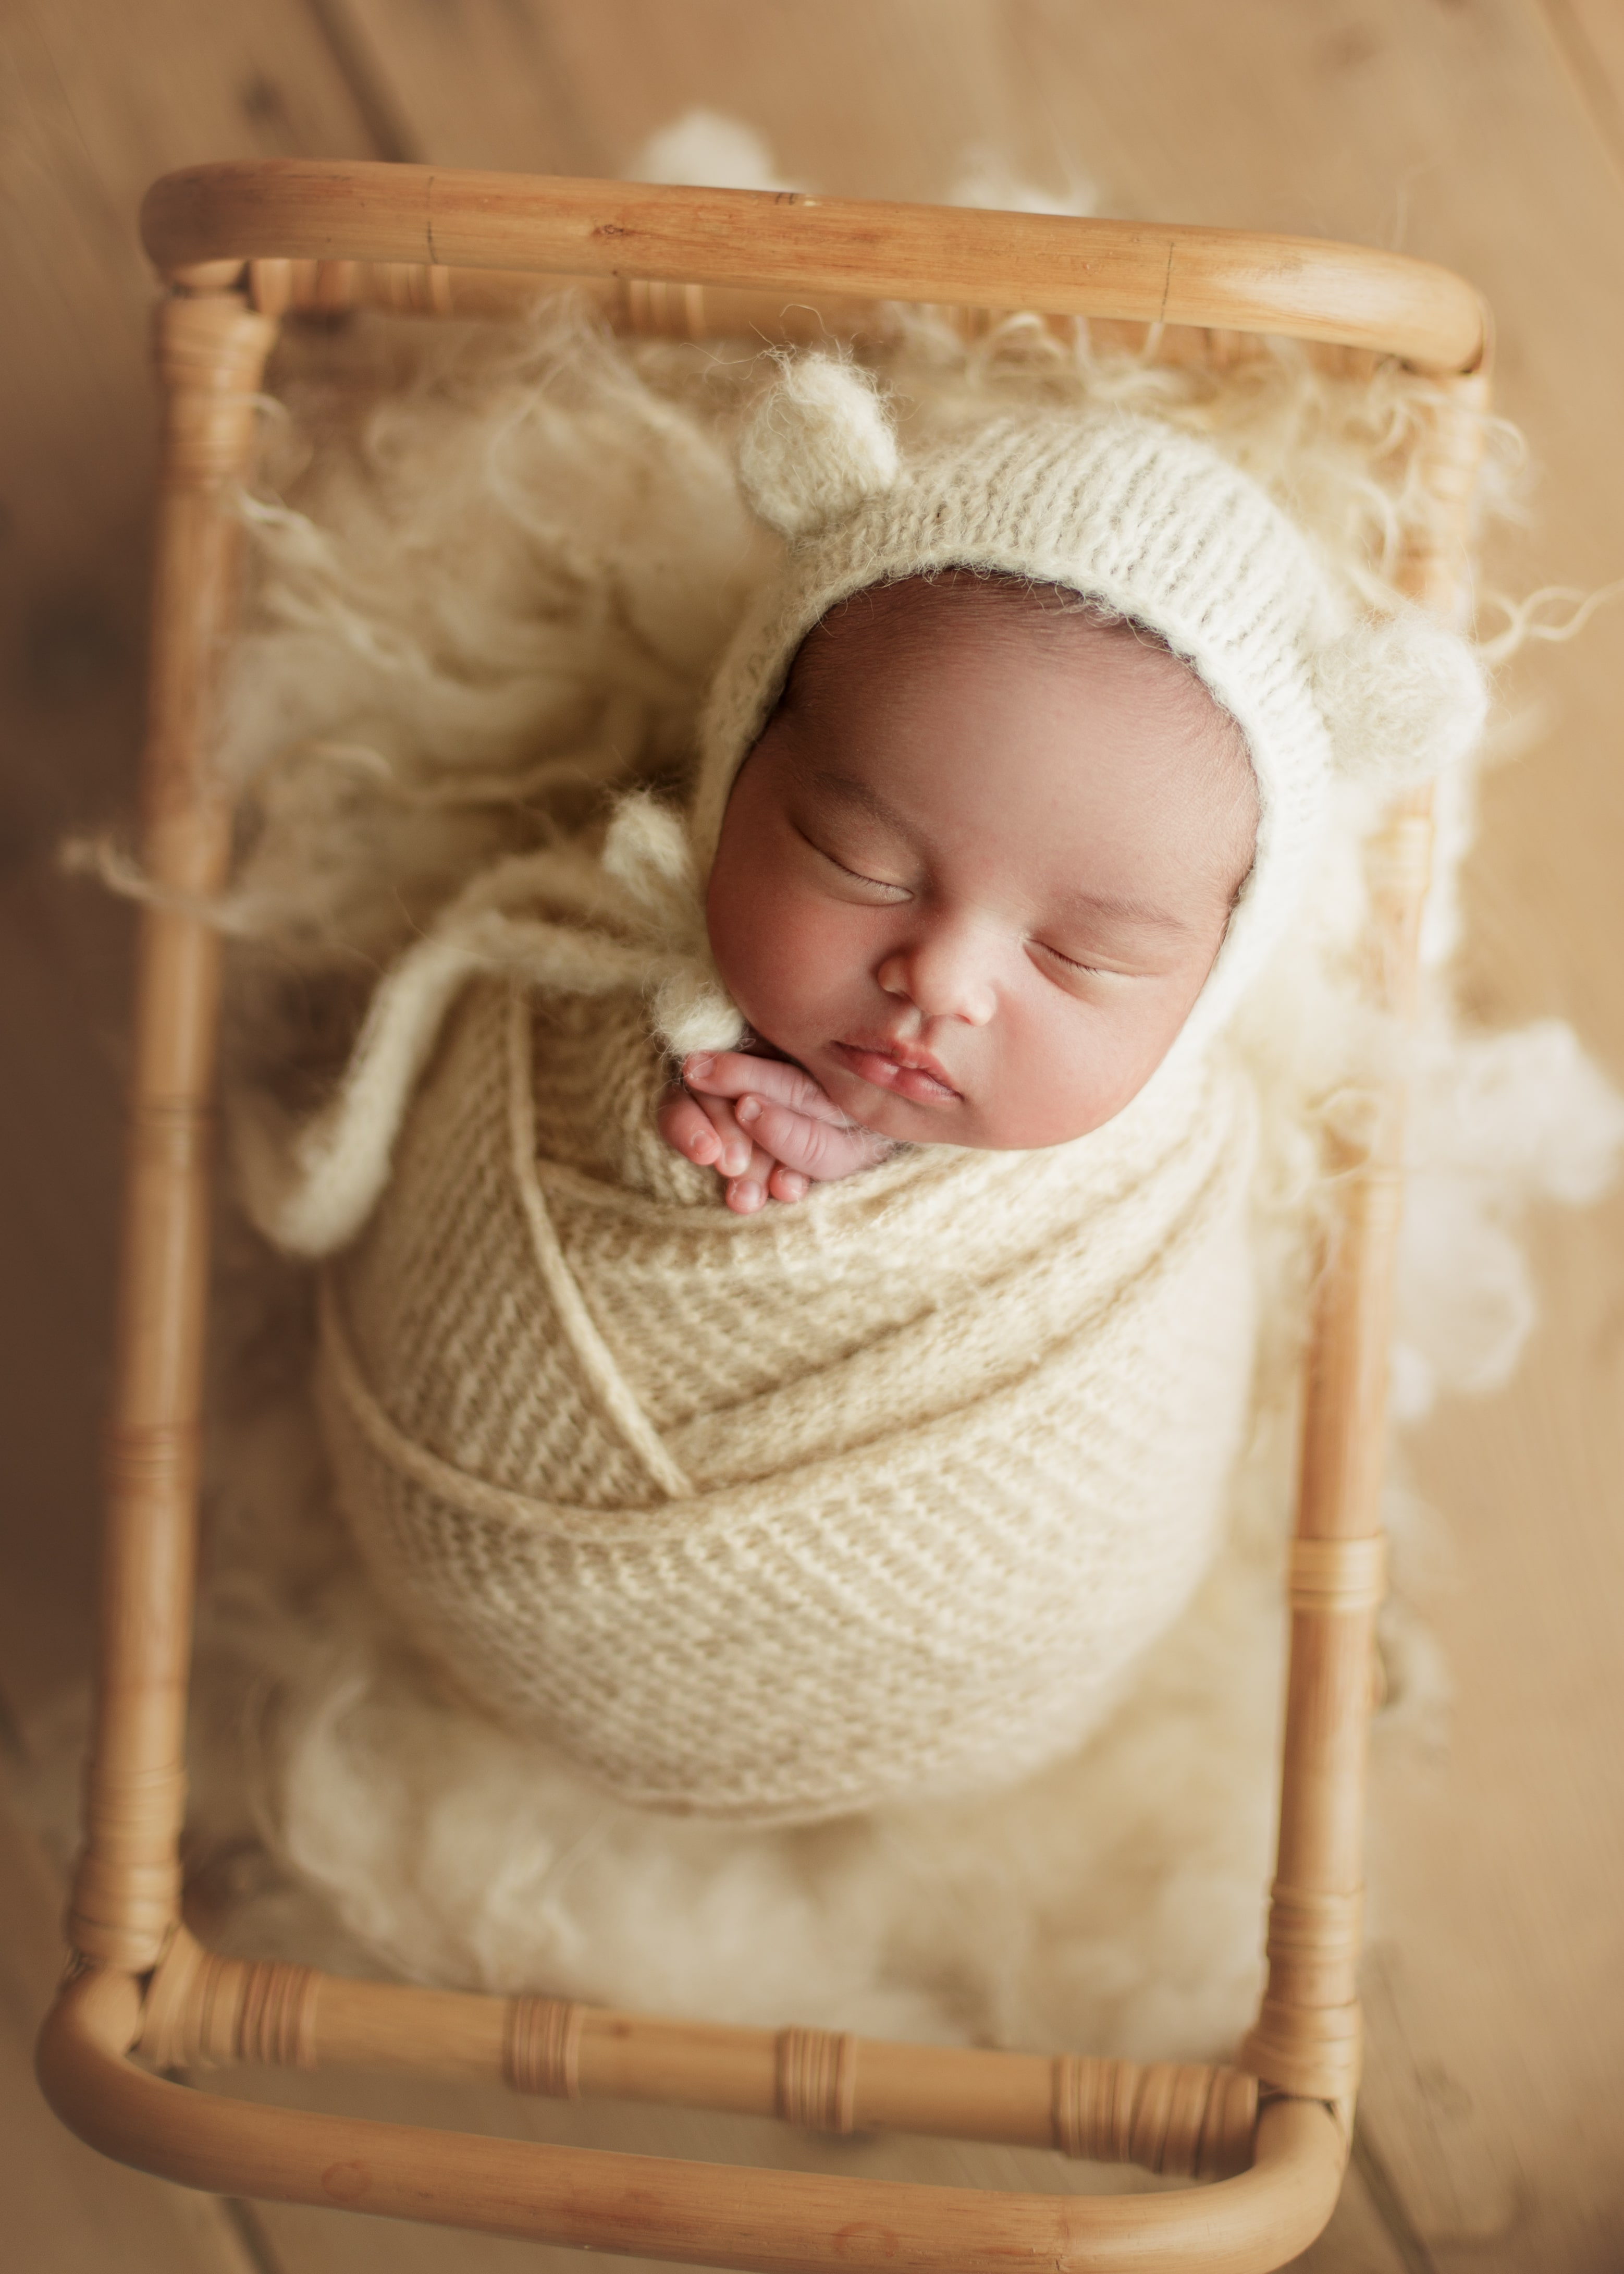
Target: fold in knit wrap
{"points": [[773, 1517]]}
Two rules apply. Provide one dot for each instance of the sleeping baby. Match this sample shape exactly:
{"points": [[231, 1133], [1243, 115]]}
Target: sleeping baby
{"points": [[1008, 789], [970, 882]]}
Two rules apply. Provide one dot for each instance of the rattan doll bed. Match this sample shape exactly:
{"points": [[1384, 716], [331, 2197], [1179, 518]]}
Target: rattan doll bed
{"points": [[239, 244]]}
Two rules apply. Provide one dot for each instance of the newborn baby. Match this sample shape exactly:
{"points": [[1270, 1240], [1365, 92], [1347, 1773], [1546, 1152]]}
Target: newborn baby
{"points": [[969, 884]]}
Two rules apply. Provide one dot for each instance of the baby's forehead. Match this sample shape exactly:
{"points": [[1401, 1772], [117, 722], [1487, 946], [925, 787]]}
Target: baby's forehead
{"points": [[854, 652], [1019, 707]]}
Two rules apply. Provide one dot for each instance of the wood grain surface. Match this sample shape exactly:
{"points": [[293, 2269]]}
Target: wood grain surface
{"points": [[1485, 134]]}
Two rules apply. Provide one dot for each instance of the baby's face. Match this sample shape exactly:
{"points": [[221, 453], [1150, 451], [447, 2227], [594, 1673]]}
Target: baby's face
{"points": [[975, 871]]}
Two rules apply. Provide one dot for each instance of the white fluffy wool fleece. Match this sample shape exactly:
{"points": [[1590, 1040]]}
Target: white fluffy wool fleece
{"points": [[495, 574]]}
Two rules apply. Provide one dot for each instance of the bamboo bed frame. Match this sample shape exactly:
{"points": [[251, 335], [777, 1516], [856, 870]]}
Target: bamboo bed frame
{"points": [[239, 244]]}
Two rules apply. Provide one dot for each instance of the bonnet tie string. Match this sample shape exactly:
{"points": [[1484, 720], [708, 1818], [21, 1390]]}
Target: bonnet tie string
{"points": [[634, 921]]}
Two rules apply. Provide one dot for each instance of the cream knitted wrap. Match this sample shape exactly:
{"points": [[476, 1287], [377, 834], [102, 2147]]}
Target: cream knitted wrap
{"points": [[877, 1495]]}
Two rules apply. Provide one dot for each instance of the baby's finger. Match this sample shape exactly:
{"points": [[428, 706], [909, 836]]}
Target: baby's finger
{"points": [[687, 1127], [749, 1192], [789, 1185], [811, 1147], [733, 1074], [734, 1145]]}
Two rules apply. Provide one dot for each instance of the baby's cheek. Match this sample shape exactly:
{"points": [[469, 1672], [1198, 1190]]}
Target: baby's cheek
{"points": [[792, 969], [1066, 1068]]}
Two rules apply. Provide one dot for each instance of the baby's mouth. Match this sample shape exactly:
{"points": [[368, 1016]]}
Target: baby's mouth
{"points": [[893, 1067]]}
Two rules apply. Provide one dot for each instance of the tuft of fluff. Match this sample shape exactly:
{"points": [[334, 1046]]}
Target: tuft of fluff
{"points": [[708, 149], [1403, 698], [493, 574], [985, 180], [819, 444], [1496, 1121], [492, 568]]}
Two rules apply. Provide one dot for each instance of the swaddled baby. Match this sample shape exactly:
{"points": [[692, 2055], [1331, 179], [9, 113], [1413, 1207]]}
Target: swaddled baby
{"points": [[1007, 789]]}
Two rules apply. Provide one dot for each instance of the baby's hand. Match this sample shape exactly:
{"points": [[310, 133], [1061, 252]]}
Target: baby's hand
{"points": [[766, 1128]]}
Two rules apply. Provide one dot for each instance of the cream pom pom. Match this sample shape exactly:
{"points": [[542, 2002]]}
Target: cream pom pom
{"points": [[818, 445], [647, 850], [1403, 697]]}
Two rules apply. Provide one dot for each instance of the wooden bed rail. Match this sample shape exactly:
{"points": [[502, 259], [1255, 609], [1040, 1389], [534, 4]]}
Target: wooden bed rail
{"points": [[1186, 2119], [211, 357], [777, 2222], [241, 243], [789, 246], [1307, 2037]]}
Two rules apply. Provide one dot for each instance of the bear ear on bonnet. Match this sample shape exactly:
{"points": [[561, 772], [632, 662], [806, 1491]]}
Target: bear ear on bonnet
{"points": [[819, 442]]}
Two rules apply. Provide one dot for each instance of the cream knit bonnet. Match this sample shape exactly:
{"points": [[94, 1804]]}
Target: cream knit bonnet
{"points": [[1152, 523]]}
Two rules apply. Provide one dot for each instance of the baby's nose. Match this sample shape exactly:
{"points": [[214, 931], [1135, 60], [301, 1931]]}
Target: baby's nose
{"points": [[942, 978]]}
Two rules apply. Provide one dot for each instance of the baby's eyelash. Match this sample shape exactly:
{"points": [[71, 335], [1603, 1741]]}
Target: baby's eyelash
{"points": [[1070, 961], [879, 884]]}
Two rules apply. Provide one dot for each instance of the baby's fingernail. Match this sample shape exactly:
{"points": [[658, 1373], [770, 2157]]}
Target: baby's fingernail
{"points": [[746, 1196], [736, 1159], [699, 1064], [792, 1188], [748, 1108], [702, 1145]]}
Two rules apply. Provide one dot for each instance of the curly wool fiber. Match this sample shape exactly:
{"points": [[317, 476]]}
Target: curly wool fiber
{"points": [[478, 599]]}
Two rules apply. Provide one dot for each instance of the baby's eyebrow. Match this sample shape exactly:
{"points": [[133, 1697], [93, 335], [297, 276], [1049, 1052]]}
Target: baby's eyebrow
{"points": [[1125, 909], [852, 791]]}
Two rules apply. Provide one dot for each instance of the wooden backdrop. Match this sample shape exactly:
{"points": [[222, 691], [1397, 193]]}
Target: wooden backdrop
{"points": [[1488, 135]]}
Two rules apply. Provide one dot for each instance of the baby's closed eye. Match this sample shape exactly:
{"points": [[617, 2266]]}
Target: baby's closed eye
{"points": [[887, 889], [1085, 970]]}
